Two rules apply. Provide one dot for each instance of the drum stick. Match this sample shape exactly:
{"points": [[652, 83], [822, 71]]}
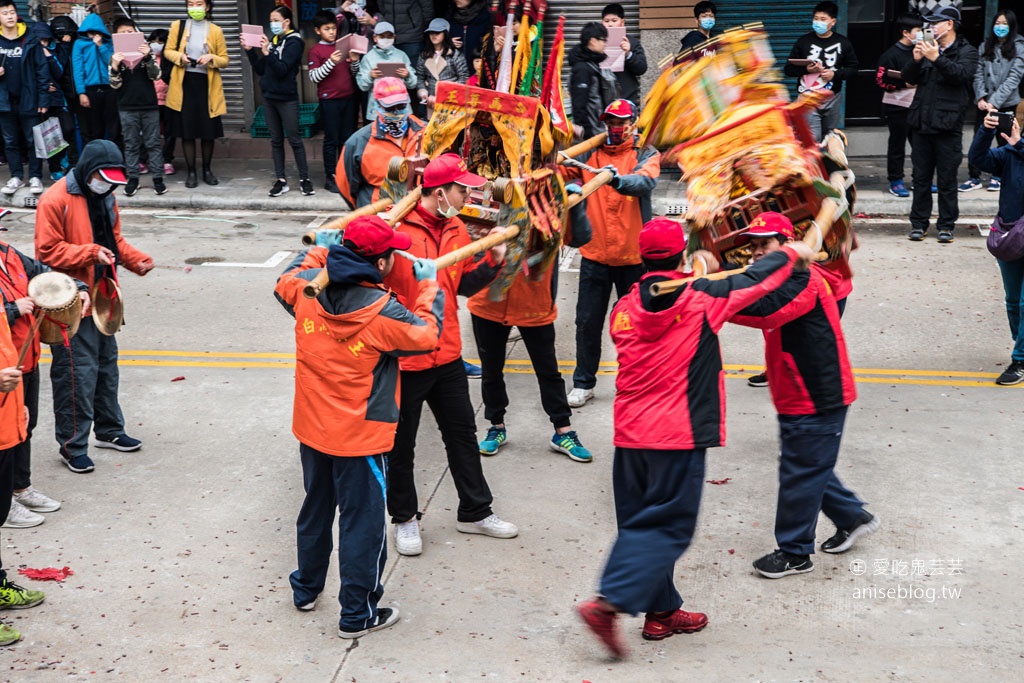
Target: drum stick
{"points": [[183, 269], [309, 239], [579, 148], [31, 338], [595, 183]]}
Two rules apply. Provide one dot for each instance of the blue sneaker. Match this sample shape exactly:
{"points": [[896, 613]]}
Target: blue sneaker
{"points": [[56, 175], [935, 189], [969, 185], [569, 444], [472, 371], [121, 442], [79, 464], [496, 438], [898, 189]]}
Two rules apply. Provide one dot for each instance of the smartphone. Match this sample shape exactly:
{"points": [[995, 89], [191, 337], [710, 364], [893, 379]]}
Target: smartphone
{"points": [[1005, 124], [929, 36]]}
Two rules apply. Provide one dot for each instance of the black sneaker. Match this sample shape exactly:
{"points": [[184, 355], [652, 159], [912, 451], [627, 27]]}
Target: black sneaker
{"points": [[844, 539], [158, 186], [945, 237], [758, 380], [777, 564], [121, 442], [916, 235], [331, 186], [132, 187], [1014, 374], [386, 616], [279, 188], [79, 464], [307, 187]]}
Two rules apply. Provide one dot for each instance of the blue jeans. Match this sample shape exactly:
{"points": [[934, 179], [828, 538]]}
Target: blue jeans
{"points": [[807, 483], [16, 126], [355, 488], [596, 282], [1013, 284], [85, 382], [657, 497]]}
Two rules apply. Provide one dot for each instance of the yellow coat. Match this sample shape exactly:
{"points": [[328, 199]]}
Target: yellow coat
{"points": [[218, 48]]}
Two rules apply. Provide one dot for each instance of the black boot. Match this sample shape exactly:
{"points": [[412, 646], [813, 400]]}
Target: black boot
{"points": [[208, 176], [190, 179]]}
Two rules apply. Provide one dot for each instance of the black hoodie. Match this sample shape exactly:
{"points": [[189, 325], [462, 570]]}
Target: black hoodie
{"points": [[591, 89], [96, 155]]}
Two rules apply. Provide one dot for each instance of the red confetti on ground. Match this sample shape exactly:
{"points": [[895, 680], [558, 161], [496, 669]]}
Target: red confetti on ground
{"points": [[861, 215], [1021, 488], [732, 551], [46, 574], [719, 482], [179, 378]]}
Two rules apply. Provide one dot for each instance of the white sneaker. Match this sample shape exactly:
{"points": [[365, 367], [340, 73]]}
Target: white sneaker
{"points": [[36, 185], [407, 538], [489, 526], [577, 397], [20, 517], [12, 186], [36, 500]]}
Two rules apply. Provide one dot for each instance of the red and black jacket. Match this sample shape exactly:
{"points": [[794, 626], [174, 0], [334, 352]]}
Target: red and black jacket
{"points": [[808, 368]]}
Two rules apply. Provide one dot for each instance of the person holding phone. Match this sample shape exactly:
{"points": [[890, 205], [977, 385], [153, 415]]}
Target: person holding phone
{"points": [[996, 83], [383, 52]]}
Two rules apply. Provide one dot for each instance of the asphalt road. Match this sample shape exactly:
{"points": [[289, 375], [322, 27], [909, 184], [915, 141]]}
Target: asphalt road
{"points": [[181, 551]]}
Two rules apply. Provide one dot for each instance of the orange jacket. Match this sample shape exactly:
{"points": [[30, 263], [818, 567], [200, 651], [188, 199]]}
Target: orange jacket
{"points": [[617, 212], [527, 303], [465, 278], [347, 344], [363, 163], [64, 239], [12, 412]]}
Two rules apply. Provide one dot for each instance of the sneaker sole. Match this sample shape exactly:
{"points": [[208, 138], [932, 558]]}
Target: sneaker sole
{"points": [[669, 634], [779, 575], [271, 194], [308, 607], [123, 449], [495, 451], [916, 238], [471, 528], [28, 606], [8, 525], [558, 449], [9, 642], [577, 404], [42, 509], [862, 530], [351, 635], [76, 470], [1011, 382]]}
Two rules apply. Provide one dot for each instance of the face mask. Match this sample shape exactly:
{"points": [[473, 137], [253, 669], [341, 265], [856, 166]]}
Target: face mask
{"points": [[385, 43], [918, 36], [616, 135], [820, 27], [707, 24], [98, 186], [277, 27], [1001, 31], [451, 211], [157, 48], [394, 124], [196, 13]]}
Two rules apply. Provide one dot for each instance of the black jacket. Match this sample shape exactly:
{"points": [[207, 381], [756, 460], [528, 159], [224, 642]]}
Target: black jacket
{"points": [[944, 89], [136, 87], [636, 66], [277, 70], [409, 17], [591, 89]]}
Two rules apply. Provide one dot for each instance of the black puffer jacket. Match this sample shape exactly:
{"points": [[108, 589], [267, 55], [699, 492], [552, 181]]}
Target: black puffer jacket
{"points": [[591, 89], [409, 17], [943, 88]]}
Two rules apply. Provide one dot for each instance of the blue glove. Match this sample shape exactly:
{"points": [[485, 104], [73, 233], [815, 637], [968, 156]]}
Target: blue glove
{"points": [[328, 238], [424, 269], [574, 188], [614, 182]]}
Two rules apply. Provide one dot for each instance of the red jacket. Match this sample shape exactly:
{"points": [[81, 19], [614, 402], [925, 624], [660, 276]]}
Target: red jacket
{"points": [[670, 389], [805, 352], [12, 410], [347, 344], [465, 278]]}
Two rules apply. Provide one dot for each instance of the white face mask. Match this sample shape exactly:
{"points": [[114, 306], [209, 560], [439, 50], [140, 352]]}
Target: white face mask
{"points": [[157, 48], [451, 211], [385, 43], [99, 186]]}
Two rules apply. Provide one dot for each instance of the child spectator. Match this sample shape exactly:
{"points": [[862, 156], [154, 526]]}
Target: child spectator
{"points": [[138, 110], [897, 98], [90, 58], [383, 51], [359, 17], [13, 121], [157, 41], [329, 69], [478, 68], [438, 61], [64, 29]]}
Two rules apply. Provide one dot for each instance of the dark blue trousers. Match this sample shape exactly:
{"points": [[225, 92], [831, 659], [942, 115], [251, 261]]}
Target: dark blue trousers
{"points": [[807, 483], [355, 488], [657, 497], [596, 282], [85, 383]]}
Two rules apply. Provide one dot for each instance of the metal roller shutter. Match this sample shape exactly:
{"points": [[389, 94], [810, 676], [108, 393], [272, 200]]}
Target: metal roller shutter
{"points": [[154, 14]]}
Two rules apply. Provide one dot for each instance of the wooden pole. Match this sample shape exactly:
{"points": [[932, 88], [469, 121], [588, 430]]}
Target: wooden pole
{"points": [[309, 239], [598, 181], [587, 145], [474, 248]]}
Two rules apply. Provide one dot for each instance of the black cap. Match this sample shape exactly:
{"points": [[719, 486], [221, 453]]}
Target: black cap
{"points": [[943, 14]]}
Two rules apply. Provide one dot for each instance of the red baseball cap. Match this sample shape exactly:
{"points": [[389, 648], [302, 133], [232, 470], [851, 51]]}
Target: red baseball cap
{"points": [[661, 238], [389, 91], [619, 109], [767, 224], [371, 235], [113, 175], [450, 168]]}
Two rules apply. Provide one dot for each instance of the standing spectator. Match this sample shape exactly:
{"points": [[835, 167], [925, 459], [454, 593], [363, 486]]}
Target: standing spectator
{"points": [[611, 259], [90, 58], [614, 16], [157, 41], [195, 92], [64, 31], [591, 87], [360, 18], [41, 96], [943, 72], [897, 98], [138, 109], [470, 20], [1007, 162], [277, 63], [78, 232], [15, 121], [705, 12], [996, 83], [409, 19], [335, 87], [383, 51], [832, 61], [439, 61]]}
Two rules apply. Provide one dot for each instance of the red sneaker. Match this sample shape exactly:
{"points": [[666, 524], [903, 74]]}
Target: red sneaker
{"points": [[602, 624], [659, 628]]}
